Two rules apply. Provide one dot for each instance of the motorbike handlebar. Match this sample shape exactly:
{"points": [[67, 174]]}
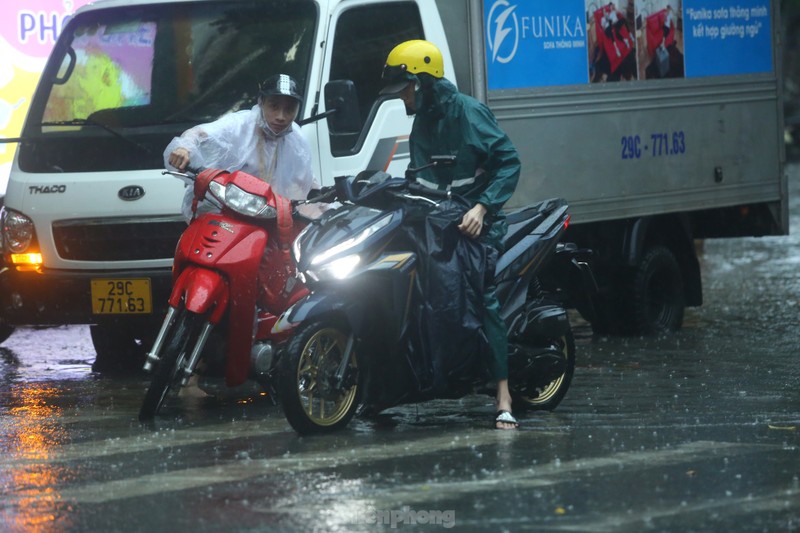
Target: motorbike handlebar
{"points": [[189, 174], [427, 191], [361, 191]]}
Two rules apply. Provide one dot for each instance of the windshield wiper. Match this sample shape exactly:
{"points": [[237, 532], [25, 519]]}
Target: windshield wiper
{"points": [[90, 122]]}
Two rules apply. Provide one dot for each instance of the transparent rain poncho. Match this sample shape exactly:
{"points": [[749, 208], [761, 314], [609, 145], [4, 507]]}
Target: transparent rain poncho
{"points": [[243, 141]]}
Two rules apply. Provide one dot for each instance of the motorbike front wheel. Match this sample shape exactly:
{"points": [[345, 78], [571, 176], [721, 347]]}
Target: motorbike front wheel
{"points": [[168, 371], [317, 397], [549, 395]]}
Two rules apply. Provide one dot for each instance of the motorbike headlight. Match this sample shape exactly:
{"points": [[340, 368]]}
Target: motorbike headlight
{"points": [[18, 231], [351, 242], [338, 268], [241, 201]]}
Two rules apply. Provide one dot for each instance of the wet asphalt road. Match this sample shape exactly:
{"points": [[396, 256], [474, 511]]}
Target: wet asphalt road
{"points": [[698, 431]]}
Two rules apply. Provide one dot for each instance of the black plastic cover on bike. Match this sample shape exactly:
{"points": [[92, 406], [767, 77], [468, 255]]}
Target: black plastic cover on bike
{"points": [[449, 294]]}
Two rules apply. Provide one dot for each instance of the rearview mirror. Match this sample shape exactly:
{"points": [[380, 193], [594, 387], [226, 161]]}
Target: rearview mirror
{"points": [[341, 103]]}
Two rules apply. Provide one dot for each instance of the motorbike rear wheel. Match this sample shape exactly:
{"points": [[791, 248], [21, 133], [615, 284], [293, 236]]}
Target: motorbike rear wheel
{"points": [[313, 399], [551, 394], [168, 372]]}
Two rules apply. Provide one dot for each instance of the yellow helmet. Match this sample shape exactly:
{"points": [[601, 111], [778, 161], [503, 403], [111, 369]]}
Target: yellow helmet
{"points": [[409, 59]]}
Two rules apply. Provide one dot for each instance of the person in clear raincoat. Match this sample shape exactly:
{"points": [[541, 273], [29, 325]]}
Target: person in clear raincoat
{"points": [[263, 141]]}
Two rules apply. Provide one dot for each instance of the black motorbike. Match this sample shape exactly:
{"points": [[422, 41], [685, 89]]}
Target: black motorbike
{"points": [[394, 316]]}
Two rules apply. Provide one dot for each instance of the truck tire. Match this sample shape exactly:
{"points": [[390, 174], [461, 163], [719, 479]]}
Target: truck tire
{"points": [[5, 332], [657, 293], [120, 350]]}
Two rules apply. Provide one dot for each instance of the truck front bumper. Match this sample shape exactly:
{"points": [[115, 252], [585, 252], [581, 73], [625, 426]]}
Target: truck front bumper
{"points": [[58, 297]]}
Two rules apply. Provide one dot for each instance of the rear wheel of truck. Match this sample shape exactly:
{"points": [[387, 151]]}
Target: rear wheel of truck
{"points": [[5, 332], [315, 396], [657, 293], [120, 350]]}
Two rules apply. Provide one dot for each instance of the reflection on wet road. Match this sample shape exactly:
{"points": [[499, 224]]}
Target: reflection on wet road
{"points": [[697, 431]]}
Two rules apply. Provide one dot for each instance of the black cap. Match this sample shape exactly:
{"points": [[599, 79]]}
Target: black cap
{"points": [[280, 84]]}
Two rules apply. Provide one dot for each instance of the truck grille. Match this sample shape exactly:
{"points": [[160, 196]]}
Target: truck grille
{"points": [[118, 239]]}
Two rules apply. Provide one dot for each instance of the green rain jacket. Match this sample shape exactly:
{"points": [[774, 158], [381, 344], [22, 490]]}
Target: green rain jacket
{"points": [[487, 166]]}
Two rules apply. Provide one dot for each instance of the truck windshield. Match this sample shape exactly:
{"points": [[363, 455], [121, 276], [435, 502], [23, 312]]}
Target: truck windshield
{"points": [[122, 82]]}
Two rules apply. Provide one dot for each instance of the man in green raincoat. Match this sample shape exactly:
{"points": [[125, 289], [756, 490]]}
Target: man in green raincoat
{"points": [[486, 172]]}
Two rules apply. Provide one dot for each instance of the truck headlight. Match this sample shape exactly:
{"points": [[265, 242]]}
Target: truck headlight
{"points": [[18, 231]]}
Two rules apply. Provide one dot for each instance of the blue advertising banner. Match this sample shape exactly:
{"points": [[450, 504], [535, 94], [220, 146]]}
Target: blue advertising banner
{"points": [[568, 42], [535, 43], [727, 37]]}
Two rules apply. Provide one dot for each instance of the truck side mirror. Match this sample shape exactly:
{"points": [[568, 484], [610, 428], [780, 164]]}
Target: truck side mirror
{"points": [[341, 103]]}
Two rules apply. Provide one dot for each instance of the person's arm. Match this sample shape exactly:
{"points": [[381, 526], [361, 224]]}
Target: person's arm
{"points": [[179, 151], [502, 160], [214, 144]]}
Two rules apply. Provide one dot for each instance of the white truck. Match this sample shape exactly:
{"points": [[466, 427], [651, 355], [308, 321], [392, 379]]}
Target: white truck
{"points": [[659, 121]]}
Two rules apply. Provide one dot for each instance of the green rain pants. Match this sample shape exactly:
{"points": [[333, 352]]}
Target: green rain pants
{"points": [[496, 335]]}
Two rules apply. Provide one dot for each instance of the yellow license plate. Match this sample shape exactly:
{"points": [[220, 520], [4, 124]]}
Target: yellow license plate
{"points": [[121, 296]]}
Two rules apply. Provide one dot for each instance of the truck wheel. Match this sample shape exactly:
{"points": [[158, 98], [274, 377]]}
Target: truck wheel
{"points": [[5, 332], [120, 350], [313, 399], [657, 295]]}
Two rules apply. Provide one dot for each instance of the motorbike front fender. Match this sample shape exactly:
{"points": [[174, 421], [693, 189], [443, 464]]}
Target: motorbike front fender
{"points": [[322, 304], [201, 289]]}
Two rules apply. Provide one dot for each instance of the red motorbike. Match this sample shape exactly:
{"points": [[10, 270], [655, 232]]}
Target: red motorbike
{"points": [[227, 292]]}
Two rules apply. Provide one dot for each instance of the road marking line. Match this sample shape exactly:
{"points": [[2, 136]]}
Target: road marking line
{"points": [[148, 441], [781, 500], [531, 477], [543, 475], [240, 470]]}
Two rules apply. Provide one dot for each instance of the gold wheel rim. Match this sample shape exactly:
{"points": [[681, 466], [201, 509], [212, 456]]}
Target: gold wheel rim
{"points": [[320, 358], [551, 389]]}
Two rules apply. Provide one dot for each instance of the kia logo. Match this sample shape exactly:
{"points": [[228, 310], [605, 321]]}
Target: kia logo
{"points": [[131, 193]]}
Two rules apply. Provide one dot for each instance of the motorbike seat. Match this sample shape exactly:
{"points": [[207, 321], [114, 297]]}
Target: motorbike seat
{"points": [[523, 221]]}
